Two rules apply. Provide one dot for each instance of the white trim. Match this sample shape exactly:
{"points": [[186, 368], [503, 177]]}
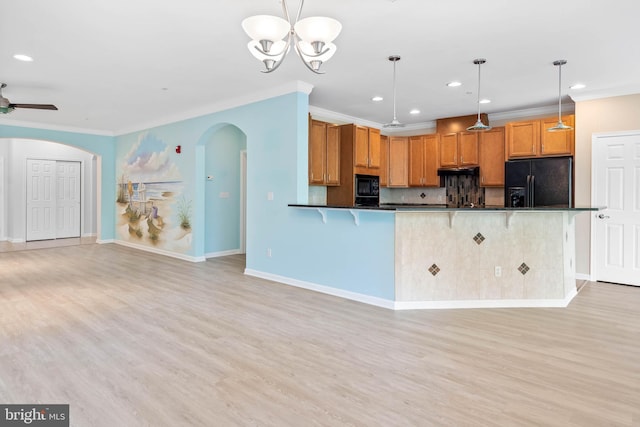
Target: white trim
{"points": [[531, 112], [5, 121], [588, 277], [294, 86], [17, 240], [89, 234], [222, 253], [354, 296], [105, 241], [161, 252], [632, 89], [413, 305], [490, 303]]}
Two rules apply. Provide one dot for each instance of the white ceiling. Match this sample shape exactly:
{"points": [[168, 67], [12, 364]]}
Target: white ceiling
{"points": [[105, 63]]}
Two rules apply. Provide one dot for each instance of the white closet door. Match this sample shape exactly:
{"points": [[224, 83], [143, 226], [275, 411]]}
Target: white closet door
{"points": [[67, 199], [41, 201]]}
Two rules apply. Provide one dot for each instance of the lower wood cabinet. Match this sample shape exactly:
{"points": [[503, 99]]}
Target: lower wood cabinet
{"points": [[398, 161]]}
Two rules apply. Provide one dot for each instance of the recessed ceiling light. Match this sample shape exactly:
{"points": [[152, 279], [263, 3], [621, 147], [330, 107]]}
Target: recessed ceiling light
{"points": [[21, 57], [454, 84], [485, 101], [578, 86], [414, 111], [377, 98]]}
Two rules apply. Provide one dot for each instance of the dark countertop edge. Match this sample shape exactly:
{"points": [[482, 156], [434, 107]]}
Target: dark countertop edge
{"points": [[442, 208]]}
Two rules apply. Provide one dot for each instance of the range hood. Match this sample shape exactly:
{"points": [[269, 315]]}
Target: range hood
{"points": [[469, 171]]}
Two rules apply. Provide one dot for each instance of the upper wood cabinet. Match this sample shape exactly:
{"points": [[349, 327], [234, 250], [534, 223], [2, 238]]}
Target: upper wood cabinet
{"points": [[398, 161], [324, 153], [532, 139], [423, 161], [384, 160], [448, 150], [491, 157], [367, 147], [468, 148], [374, 148], [458, 149], [557, 143]]}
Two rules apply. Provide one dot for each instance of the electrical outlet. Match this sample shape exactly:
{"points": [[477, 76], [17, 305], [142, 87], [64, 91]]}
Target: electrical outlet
{"points": [[269, 252], [270, 195], [498, 271]]}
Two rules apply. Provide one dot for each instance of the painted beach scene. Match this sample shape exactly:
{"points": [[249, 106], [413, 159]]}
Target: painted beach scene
{"points": [[151, 203]]}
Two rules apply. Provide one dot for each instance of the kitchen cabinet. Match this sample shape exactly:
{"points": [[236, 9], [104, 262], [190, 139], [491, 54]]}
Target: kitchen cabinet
{"points": [[367, 148], [531, 139], [398, 161], [491, 157], [557, 143], [359, 154], [458, 149], [384, 160], [423, 161], [324, 153]]}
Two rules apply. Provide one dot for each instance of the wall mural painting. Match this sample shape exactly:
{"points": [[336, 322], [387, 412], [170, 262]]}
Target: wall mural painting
{"points": [[152, 206]]}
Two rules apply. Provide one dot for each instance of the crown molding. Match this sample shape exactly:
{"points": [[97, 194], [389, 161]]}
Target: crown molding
{"points": [[291, 87], [45, 126], [531, 112], [605, 93]]}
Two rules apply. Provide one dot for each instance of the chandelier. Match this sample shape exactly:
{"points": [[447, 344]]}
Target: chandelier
{"points": [[272, 38]]}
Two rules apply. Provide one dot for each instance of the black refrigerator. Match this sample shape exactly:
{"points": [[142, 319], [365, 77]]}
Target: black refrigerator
{"points": [[538, 182]]}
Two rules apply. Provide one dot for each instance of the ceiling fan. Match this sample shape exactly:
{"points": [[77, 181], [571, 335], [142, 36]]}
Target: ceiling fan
{"points": [[7, 107]]}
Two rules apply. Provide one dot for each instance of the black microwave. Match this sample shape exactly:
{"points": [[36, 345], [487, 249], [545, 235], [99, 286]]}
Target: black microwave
{"points": [[367, 190]]}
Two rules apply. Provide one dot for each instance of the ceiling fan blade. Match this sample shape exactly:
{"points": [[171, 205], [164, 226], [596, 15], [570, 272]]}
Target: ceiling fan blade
{"points": [[35, 106]]}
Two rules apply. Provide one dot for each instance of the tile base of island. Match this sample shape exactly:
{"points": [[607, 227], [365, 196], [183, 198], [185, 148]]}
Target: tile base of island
{"points": [[478, 258]]}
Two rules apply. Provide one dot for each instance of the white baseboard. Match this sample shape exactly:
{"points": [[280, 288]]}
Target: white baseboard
{"points": [[414, 305], [588, 277], [16, 240], [90, 235], [222, 253], [189, 258], [102, 241], [354, 296], [489, 303]]}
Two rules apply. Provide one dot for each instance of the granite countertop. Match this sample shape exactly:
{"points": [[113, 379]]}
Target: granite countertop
{"points": [[408, 207]]}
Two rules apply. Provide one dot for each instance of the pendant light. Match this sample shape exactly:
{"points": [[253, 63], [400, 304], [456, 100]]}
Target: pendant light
{"points": [[560, 126], [479, 126], [394, 123]]}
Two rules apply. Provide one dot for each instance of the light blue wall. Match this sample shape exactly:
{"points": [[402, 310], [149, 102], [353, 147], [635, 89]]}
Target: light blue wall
{"points": [[338, 254], [222, 214], [103, 146]]}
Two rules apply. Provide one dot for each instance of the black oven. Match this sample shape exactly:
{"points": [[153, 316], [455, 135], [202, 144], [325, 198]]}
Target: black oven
{"points": [[367, 190]]}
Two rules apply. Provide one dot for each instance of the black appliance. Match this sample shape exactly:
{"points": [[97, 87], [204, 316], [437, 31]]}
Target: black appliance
{"points": [[367, 189], [538, 182]]}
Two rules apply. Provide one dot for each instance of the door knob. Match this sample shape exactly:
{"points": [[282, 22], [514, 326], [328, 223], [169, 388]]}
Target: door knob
{"points": [[603, 216]]}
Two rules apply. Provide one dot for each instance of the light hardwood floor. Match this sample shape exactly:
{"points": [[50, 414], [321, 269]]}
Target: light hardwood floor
{"points": [[129, 338]]}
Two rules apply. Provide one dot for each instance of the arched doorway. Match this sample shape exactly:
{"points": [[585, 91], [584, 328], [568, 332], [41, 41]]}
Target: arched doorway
{"points": [[225, 154], [15, 186]]}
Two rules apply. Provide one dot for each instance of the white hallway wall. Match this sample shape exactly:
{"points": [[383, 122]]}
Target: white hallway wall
{"points": [[15, 153]]}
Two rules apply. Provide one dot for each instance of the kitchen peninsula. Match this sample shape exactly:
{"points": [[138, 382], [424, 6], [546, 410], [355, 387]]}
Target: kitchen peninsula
{"points": [[475, 257]]}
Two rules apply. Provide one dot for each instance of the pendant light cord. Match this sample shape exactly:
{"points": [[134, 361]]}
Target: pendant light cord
{"points": [[559, 93], [479, 65], [394, 90]]}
